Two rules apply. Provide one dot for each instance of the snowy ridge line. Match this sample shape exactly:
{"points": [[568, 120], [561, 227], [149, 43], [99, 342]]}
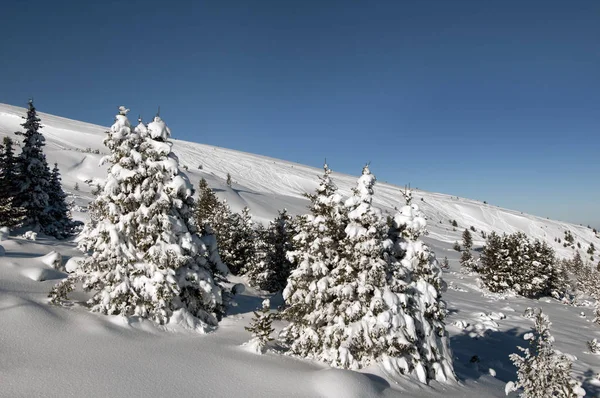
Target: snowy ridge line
{"points": [[267, 184]]}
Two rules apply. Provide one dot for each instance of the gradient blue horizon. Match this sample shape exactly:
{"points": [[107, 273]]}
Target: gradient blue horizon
{"points": [[495, 100]]}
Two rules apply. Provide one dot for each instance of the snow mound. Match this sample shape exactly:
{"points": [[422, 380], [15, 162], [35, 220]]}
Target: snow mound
{"points": [[42, 274], [52, 259], [2, 251], [72, 264], [4, 232], [334, 383]]}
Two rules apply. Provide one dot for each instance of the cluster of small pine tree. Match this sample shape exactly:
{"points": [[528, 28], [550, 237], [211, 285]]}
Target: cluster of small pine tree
{"points": [[247, 248], [364, 291], [529, 268], [30, 194]]}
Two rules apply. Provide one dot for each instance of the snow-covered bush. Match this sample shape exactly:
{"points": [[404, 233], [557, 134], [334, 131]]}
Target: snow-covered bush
{"points": [[145, 255], [4, 233], [594, 346], [543, 372], [261, 329], [30, 235], [514, 262], [364, 292]]}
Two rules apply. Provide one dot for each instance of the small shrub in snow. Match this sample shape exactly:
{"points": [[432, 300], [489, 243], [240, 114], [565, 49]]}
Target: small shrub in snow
{"points": [[594, 346], [457, 247], [261, 328], [445, 264], [228, 181], [542, 372]]}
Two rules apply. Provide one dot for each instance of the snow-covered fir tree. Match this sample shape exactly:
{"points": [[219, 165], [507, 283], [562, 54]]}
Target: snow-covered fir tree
{"points": [[371, 296], [59, 224], [238, 242], [10, 213], [542, 372], [34, 174], [273, 268], [261, 328], [466, 258], [206, 205], [145, 255], [415, 266]]}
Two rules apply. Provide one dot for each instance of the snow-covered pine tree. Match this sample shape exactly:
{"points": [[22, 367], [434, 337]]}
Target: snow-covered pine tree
{"points": [[240, 254], [59, 224], [542, 372], [273, 269], [261, 328], [416, 269], [34, 174], [206, 205], [10, 214], [316, 254], [146, 257], [466, 258]]}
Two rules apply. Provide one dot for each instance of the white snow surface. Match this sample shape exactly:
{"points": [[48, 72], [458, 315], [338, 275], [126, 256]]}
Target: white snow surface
{"points": [[55, 352]]}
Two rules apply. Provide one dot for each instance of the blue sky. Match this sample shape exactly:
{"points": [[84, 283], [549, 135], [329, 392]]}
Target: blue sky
{"points": [[491, 100]]}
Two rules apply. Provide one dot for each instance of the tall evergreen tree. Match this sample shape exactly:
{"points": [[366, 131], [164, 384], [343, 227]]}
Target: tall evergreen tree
{"points": [[10, 213], [59, 224], [34, 174], [273, 269], [146, 257]]}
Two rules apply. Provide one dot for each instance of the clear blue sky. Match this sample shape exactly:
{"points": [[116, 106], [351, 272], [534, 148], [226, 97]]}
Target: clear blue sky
{"points": [[491, 100]]}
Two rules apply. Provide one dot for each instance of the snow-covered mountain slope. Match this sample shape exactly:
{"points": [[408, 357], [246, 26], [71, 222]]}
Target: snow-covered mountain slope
{"points": [[265, 184], [55, 352]]}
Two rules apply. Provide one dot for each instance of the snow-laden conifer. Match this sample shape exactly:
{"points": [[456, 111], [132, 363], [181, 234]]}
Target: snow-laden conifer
{"points": [[466, 258], [542, 371], [416, 269], [239, 242], [145, 255], [273, 268], [59, 223], [307, 293], [10, 214], [34, 174]]}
